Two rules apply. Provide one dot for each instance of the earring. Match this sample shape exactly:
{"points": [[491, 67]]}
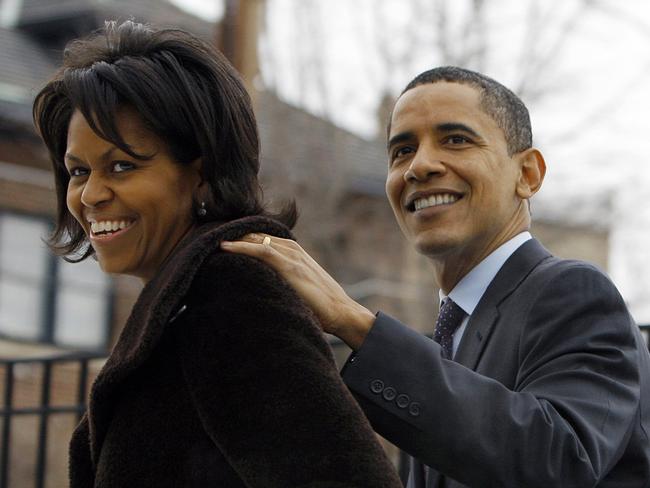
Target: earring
{"points": [[202, 211]]}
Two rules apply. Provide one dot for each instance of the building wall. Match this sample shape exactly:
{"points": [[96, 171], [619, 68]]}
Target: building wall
{"points": [[574, 242], [26, 190]]}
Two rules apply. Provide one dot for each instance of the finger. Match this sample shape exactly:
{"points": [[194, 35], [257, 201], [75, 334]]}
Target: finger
{"points": [[253, 238], [253, 249], [258, 238], [278, 243]]}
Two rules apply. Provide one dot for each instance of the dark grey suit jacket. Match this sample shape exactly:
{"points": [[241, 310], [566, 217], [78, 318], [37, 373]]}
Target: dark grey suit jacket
{"points": [[550, 386]]}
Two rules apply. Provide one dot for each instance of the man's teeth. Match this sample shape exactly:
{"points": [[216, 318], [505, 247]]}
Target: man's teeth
{"points": [[108, 226], [433, 200]]}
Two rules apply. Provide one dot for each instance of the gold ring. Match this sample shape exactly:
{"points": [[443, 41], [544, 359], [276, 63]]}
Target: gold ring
{"points": [[267, 241]]}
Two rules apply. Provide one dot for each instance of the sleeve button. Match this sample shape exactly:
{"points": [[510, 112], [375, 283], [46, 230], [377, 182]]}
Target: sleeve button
{"points": [[414, 409], [403, 401], [376, 386], [389, 394]]}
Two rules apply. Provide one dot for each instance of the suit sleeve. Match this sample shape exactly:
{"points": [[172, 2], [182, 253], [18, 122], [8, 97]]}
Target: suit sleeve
{"points": [[265, 386], [564, 421]]}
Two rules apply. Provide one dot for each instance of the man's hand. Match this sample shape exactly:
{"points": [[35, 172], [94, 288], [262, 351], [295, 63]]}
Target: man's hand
{"points": [[338, 313]]}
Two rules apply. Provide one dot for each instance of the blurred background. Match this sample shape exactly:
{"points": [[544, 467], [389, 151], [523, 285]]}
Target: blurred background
{"points": [[323, 75]]}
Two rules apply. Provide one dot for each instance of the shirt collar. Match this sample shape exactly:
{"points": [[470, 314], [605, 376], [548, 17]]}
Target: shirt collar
{"points": [[469, 290]]}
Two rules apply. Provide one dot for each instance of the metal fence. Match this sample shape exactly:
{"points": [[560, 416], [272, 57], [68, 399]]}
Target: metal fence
{"points": [[45, 409]]}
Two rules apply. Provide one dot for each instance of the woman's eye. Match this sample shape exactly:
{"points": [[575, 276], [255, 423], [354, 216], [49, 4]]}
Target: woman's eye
{"points": [[78, 171], [121, 166]]}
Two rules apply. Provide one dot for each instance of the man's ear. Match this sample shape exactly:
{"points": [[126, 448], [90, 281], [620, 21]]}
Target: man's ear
{"points": [[532, 169]]}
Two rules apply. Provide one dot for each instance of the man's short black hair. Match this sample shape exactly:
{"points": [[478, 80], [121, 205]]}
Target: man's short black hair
{"points": [[500, 103]]}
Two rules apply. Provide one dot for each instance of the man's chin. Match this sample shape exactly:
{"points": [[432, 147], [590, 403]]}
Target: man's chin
{"points": [[434, 248]]}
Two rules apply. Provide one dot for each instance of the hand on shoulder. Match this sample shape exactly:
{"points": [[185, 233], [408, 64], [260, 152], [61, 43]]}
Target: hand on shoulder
{"points": [[338, 314]]}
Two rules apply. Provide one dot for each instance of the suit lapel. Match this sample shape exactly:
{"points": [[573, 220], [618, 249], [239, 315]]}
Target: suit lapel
{"points": [[476, 336], [433, 480], [158, 303], [480, 326], [421, 476], [486, 315]]}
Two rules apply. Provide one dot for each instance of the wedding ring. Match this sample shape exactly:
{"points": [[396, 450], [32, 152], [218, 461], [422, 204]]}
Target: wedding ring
{"points": [[267, 241]]}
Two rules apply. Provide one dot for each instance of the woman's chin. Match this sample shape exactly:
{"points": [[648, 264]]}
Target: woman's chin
{"points": [[112, 266]]}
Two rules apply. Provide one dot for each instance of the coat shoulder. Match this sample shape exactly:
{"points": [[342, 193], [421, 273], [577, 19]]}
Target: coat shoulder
{"points": [[227, 274], [573, 278]]}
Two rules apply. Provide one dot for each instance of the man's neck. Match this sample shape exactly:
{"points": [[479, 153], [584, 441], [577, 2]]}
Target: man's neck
{"points": [[453, 267]]}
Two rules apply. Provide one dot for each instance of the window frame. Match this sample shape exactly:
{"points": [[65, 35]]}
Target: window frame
{"points": [[48, 303]]}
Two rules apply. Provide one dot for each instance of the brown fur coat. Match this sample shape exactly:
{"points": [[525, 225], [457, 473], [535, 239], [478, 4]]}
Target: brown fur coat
{"points": [[222, 378]]}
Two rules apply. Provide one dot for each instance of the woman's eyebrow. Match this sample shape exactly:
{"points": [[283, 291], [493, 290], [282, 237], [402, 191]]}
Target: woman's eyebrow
{"points": [[105, 155]]}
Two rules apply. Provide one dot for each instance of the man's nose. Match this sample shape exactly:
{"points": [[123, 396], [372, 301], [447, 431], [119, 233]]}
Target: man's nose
{"points": [[95, 191], [425, 164]]}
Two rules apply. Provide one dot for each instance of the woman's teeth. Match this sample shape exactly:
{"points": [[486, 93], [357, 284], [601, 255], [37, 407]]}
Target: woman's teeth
{"points": [[108, 226]]}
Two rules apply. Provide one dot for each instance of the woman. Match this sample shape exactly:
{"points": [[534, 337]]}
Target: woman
{"points": [[221, 376]]}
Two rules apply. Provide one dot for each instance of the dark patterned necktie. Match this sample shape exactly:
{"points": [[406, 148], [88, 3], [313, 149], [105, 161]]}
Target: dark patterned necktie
{"points": [[449, 319]]}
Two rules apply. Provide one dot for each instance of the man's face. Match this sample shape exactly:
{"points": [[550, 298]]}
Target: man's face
{"points": [[451, 182]]}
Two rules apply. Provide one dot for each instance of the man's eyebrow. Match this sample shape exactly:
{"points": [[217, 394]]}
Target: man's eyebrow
{"points": [[401, 137], [457, 126], [105, 155]]}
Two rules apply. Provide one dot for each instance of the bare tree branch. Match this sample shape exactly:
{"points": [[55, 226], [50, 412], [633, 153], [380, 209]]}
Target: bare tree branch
{"points": [[602, 113], [442, 32], [474, 38], [540, 62], [614, 11]]}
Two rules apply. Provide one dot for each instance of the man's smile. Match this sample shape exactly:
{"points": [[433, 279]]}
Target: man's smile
{"points": [[421, 200]]}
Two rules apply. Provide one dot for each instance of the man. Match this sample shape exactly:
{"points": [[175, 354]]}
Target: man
{"points": [[539, 377]]}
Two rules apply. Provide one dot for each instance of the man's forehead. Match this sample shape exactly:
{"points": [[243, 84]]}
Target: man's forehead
{"points": [[440, 100], [441, 91]]}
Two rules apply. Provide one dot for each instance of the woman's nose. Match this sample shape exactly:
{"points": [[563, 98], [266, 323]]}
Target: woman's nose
{"points": [[95, 191]]}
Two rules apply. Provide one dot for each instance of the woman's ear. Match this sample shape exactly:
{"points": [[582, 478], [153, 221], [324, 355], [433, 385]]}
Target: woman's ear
{"points": [[200, 189], [196, 168], [532, 169]]}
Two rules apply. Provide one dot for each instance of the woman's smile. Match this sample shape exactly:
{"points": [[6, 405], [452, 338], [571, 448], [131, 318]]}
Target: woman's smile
{"points": [[104, 231]]}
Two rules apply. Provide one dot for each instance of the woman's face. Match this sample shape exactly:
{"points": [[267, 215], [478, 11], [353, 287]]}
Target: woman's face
{"points": [[134, 212]]}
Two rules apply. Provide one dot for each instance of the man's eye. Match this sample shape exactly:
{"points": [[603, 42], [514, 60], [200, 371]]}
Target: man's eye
{"points": [[78, 171], [457, 140], [122, 166], [402, 151]]}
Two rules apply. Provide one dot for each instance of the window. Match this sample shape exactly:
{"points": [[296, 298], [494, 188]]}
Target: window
{"points": [[82, 305], [42, 297], [23, 274]]}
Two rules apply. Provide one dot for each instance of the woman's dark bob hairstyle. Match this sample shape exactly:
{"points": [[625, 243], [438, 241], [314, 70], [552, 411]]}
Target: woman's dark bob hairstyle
{"points": [[186, 93]]}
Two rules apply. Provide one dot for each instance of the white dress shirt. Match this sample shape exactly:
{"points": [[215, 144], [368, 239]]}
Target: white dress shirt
{"points": [[469, 290]]}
